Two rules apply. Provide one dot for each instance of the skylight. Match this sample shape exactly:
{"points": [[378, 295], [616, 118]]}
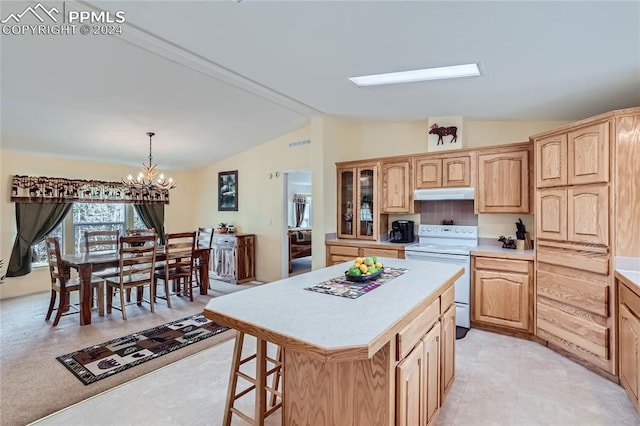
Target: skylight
{"points": [[455, 71]]}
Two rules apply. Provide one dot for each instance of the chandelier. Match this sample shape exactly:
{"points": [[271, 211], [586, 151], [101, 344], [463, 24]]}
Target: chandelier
{"points": [[148, 176]]}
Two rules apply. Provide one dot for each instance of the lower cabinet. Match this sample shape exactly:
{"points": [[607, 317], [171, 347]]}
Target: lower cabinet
{"points": [[629, 335], [339, 251], [418, 381], [575, 303], [233, 258], [448, 350], [426, 363], [502, 292]]}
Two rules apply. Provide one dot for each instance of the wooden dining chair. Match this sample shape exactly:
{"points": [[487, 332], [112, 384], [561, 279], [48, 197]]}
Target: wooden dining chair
{"points": [[178, 265], [62, 284], [101, 240], [204, 240], [137, 266]]}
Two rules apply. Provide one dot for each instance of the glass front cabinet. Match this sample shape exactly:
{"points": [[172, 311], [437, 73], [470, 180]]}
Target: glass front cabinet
{"points": [[358, 205]]}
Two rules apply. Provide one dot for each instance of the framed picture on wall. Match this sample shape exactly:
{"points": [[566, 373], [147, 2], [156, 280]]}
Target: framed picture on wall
{"points": [[228, 191]]}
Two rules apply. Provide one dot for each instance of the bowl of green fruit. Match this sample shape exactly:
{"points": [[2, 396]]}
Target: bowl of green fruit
{"points": [[364, 269]]}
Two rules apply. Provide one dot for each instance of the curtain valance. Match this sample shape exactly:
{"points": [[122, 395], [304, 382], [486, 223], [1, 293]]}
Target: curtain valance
{"points": [[30, 189]]}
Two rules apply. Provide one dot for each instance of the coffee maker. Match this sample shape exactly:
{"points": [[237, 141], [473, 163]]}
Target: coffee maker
{"points": [[401, 231]]}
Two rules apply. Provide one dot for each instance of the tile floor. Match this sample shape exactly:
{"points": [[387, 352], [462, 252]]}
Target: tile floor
{"points": [[500, 380]]}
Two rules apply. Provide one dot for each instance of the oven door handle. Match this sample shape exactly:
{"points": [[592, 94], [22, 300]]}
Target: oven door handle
{"points": [[427, 256]]}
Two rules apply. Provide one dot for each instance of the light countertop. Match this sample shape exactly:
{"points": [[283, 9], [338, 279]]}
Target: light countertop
{"points": [[499, 252], [628, 270], [328, 322]]}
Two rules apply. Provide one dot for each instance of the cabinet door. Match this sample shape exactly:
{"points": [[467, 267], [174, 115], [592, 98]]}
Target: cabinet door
{"points": [[551, 214], [448, 350], [456, 171], [503, 182], [551, 161], [629, 353], [588, 154], [410, 388], [396, 187], [245, 259], [346, 202], [428, 173], [367, 209], [588, 214], [431, 344], [501, 298]]}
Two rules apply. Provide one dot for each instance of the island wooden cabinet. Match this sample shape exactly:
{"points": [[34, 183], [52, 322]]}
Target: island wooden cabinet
{"points": [[426, 367], [502, 292], [503, 182], [418, 384], [397, 191], [442, 171], [358, 203], [629, 341]]}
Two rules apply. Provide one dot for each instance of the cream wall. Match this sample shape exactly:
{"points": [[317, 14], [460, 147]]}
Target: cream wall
{"points": [[261, 201], [369, 140], [177, 217]]}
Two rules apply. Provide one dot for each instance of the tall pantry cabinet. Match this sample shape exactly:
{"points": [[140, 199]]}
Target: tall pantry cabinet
{"points": [[579, 188]]}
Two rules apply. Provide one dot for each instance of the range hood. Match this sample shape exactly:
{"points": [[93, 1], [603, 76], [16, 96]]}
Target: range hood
{"points": [[466, 193]]}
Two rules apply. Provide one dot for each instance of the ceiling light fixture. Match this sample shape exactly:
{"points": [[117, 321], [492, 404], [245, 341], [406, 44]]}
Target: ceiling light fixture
{"points": [[148, 176], [455, 71]]}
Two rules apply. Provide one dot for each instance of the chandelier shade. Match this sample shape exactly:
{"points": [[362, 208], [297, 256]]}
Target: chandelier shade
{"points": [[148, 176]]}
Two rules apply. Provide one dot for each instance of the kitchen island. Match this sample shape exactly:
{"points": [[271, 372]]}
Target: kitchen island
{"points": [[361, 361]]}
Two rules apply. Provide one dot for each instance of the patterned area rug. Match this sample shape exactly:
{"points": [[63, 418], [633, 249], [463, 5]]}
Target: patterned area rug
{"points": [[106, 359]]}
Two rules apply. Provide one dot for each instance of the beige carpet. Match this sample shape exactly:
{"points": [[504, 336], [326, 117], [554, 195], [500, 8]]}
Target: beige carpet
{"points": [[34, 384]]}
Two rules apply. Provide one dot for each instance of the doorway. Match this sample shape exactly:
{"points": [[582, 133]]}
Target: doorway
{"points": [[298, 222]]}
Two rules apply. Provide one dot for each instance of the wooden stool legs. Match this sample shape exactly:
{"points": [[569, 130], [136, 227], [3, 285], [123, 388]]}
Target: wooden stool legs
{"points": [[258, 383]]}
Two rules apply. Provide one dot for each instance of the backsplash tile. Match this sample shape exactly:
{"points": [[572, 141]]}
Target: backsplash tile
{"points": [[460, 211]]}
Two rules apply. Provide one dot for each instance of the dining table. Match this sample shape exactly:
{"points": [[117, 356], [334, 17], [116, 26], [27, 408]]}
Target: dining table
{"points": [[87, 263]]}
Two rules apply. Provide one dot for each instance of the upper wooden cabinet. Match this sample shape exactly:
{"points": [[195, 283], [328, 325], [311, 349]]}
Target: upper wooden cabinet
{"points": [[358, 215], [397, 191], [551, 161], [576, 157], [438, 171], [503, 182], [588, 154]]}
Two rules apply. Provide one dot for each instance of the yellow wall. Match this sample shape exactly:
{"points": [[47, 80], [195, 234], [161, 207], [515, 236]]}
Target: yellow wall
{"points": [[177, 218], [261, 200]]}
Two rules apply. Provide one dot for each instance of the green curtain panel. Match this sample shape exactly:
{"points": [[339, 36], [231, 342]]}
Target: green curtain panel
{"points": [[34, 221], [153, 216]]}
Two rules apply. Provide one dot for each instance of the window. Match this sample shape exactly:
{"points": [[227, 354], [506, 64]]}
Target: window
{"points": [[89, 217], [39, 251], [96, 217]]}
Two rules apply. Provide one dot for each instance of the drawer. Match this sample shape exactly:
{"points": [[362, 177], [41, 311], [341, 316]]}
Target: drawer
{"points": [[585, 260], [367, 251], [412, 333], [345, 251], [507, 265], [574, 287], [447, 299], [630, 299], [573, 330]]}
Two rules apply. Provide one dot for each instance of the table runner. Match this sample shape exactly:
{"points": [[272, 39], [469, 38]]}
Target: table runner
{"points": [[340, 286]]}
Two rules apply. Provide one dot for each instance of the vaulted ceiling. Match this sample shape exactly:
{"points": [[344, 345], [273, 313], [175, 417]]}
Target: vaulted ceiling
{"points": [[214, 78]]}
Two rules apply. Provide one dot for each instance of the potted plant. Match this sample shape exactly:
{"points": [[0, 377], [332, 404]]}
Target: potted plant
{"points": [[222, 228]]}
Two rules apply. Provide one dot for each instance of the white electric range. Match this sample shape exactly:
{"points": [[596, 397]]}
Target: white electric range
{"points": [[449, 244]]}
